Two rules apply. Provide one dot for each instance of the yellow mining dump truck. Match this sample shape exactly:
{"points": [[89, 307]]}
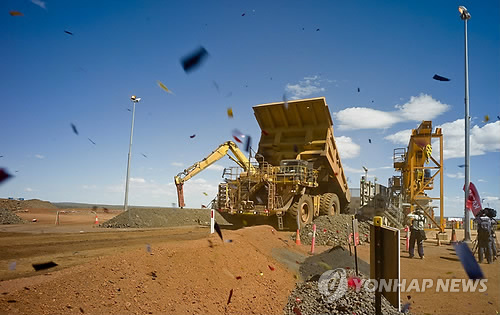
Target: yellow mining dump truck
{"points": [[298, 173]]}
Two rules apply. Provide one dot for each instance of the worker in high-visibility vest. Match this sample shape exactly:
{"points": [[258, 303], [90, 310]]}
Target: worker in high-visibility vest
{"points": [[417, 233]]}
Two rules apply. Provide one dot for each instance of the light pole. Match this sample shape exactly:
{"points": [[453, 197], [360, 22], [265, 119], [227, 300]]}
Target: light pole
{"points": [[134, 100], [465, 16]]}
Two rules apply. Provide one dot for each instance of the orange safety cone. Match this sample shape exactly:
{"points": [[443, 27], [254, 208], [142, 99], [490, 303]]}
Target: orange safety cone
{"points": [[96, 220], [453, 236], [297, 238]]}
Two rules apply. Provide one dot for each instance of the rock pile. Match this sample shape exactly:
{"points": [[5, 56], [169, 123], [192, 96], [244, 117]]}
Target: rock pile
{"points": [[9, 217], [162, 217], [307, 299], [23, 204], [333, 230]]}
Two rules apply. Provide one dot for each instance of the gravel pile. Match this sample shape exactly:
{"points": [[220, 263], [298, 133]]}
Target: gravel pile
{"points": [[306, 299], [333, 230], [9, 217], [23, 204], [162, 217]]}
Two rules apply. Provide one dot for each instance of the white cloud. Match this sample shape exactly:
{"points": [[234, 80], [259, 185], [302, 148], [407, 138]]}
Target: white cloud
{"points": [[482, 139], [457, 175], [347, 148], [422, 107], [215, 167], [28, 189], [482, 180], [306, 87], [39, 3], [401, 137], [137, 180], [39, 156], [177, 164], [353, 170]]}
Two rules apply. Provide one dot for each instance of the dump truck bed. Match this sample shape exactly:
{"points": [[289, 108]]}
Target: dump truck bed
{"points": [[303, 129]]}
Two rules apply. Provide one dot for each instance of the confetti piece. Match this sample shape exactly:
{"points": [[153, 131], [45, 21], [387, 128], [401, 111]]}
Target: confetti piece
{"points": [[248, 144], [245, 223], [238, 135], [230, 112], [486, 118], [15, 13], [295, 148], [68, 32], [461, 165], [324, 230], [359, 90], [194, 60], [12, 265], [271, 267], [43, 266], [468, 261], [216, 86], [405, 308], [192, 136], [74, 129], [163, 87], [261, 273], [440, 78], [205, 193], [228, 241], [297, 311], [230, 296], [39, 3], [91, 141], [297, 300], [148, 248], [408, 297], [243, 14], [285, 100], [4, 175], [144, 155], [317, 30], [218, 230], [369, 140], [265, 133], [354, 283], [238, 278]]}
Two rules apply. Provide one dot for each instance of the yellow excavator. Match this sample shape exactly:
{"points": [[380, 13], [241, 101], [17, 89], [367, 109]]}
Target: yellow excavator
{"points": [[223, 150]]}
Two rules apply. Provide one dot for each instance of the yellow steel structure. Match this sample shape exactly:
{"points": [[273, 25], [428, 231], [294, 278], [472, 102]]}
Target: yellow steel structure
{"points": [[213, 157], [417, 178]]}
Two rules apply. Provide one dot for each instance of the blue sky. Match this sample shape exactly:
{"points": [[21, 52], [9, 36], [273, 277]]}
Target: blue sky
{"points": [[389, 49]]}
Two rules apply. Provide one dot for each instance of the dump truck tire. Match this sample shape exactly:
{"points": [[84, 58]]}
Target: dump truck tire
{"points": [[303, 207], [329, 204]]}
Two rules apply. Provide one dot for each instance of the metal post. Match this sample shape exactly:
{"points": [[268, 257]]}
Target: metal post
{"points": [[467, 140], [125, 207]]}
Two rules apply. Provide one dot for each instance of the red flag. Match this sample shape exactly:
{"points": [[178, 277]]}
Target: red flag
{"points": [[474, 202]]}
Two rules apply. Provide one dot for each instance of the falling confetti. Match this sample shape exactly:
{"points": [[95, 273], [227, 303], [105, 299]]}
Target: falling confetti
{"points": [[15, 13], [12, 265], [405, 308], [468, 261], [297, 311], [285, 100], [192, 136], [238, 278], [91, 141], [440, 78], [238, 135], [4, 175], [486, 118], [271, 267], [164, 87], [230, 112], [461, 165], [74, 129], [218, 230], [248, 144], [43, 266], [230, 296], [216, 86], [359, 90], [369, 140], [68, 32], [144, 155], [243, 14], [205, 193], [148, 248], [317, 30], [295, 148], [193, 60], [265, 133], [39, 3]]}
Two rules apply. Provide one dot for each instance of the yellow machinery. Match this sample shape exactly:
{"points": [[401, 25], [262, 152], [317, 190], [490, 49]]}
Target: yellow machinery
{"points": [[213, 157], [418, 170], [296, 173]]}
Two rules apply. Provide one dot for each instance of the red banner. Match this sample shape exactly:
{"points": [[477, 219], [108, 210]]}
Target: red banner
{"points": [[474, 202]]}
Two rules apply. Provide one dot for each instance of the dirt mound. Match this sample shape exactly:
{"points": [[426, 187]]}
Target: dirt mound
{"points": [[9, 217], [307, 299], [333, 230], [204, 276], [23, 204], [145, 218]]}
